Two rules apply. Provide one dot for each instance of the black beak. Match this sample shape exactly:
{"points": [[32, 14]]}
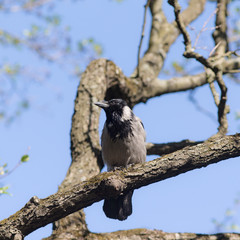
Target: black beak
{"points": [[102, 104]]}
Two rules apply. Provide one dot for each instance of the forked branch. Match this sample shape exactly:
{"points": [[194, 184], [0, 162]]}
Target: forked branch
{"points": [[211, 64]]}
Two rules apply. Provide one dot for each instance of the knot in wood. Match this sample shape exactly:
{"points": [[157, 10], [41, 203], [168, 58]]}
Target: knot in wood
{"points": [[34, 201]]}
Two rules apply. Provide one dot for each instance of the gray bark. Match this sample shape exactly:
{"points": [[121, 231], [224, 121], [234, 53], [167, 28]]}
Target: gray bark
{"points": [[83, 184], [40, 212]]}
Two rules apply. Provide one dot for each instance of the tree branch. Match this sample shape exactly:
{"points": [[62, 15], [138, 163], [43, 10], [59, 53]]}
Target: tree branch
{"points": [[103, 79], [145, 234], [119, 86], [221, 43], [85, 147], [189, 51], [223, 109], [166, 148], [142, 35], [40, 212], [215, 66], [220, 33], [163, 35], [159, 87]]}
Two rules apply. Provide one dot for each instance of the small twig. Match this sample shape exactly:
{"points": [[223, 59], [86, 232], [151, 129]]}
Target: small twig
{"points": [[214, 49], [214, 93], [20, 162], [142, 36], [204, 28], [234, 71], [210, 79], [180, 24], [229, 53], [223, 109], [189, 51], [215, 66]]}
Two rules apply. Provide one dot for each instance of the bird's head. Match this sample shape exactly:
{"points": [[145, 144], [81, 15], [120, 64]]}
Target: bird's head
{"points": [[116, 109]]}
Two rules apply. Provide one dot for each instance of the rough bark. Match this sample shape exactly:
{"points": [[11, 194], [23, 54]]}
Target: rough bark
{"points": [[85, 148], [163, 34], [104, 80], [144, 234], [40, 212], [165, 148], [85, 144], [120, 86]]}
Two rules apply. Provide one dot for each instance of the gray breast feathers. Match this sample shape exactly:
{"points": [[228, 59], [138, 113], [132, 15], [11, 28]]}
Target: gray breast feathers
{"points": [[122, 152]]}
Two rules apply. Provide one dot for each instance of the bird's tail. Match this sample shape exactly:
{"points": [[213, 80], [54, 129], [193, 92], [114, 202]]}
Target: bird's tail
{"points": [[119, 208]]}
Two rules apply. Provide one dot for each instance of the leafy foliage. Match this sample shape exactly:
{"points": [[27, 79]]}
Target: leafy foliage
{"points": [[5, 172], [24, 158], [49, 40]]}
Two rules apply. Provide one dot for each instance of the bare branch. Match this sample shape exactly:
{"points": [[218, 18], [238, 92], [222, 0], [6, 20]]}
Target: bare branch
{"points": [[142, 35], [231, 65], [166, 148], [163, 35], [210, 79], [223, 109], [39, 212], [145, 234], [204, 28], [214, 49], [220, 38], [129, 88], [189, 50], [220, 33], [215, 66]]}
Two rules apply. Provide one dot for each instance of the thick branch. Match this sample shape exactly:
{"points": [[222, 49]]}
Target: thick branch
{"points": [[145, 234], [163, 35], [85, 148], [159, 87], [220, 33], [166, 148], [39, 212], [119, 86]]}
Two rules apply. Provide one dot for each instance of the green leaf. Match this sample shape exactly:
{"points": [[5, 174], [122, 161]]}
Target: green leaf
{"points": [[98, 49], [177, 67], [25, 158], [3, 190]]}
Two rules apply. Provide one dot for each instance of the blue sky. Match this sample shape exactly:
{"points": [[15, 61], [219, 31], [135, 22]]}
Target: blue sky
{"points": [[186, 203]]}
